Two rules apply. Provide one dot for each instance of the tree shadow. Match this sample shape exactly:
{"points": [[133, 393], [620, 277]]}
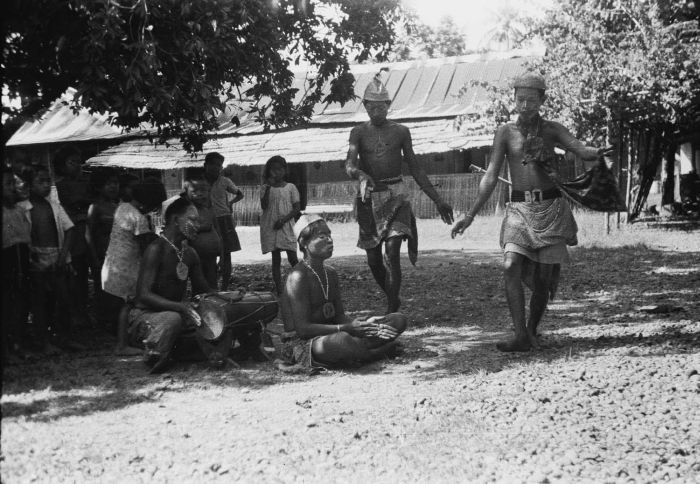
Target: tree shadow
{"points": [[457, 309]]}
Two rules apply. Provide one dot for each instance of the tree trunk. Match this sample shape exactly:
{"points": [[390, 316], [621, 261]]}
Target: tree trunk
{"points": [[667, 193]]}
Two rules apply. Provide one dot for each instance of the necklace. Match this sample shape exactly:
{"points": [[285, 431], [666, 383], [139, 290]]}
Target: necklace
{"points": [[181, 269], [328, 307]]}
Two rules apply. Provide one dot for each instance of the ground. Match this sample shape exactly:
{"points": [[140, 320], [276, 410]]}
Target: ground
{"points": [[613, 396]]}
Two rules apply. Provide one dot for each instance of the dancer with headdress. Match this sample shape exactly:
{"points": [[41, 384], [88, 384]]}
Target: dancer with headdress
{"points": [[375, 156]]}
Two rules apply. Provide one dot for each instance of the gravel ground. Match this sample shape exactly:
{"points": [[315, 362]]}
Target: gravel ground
{"points": [[612, 397]]}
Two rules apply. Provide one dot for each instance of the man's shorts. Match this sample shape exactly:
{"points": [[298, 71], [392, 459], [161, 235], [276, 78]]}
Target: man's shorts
{"points": [[229, 237]]}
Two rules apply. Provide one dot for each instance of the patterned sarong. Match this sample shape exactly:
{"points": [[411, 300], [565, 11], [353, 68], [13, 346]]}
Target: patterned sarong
{"points": [[540, 231], [386, 214], [535, 225]]}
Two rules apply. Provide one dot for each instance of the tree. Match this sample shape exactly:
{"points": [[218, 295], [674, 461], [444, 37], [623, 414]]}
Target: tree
{"points": [[620, 65], [509, 27], [415, 40], [174, 64]]}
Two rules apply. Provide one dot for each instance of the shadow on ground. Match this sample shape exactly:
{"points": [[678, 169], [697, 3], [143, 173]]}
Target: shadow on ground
{"points": [[458, 311]]}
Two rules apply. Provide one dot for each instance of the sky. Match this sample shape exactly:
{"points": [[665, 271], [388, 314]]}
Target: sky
{"points": [[474, 17]]}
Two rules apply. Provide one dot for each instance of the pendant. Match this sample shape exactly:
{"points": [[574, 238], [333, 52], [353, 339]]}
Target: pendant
{"points": [[328, 310], [182, 270]]}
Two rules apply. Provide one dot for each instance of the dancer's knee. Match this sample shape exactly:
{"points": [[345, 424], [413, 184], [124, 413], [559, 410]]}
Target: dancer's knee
{"points": [[512, 267]]}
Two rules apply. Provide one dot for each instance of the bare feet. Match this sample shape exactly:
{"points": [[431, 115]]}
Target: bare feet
{"points": [[516, 344], [532, 338]]}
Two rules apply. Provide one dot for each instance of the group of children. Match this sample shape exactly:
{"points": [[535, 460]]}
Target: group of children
{"points": [[100, 226]]}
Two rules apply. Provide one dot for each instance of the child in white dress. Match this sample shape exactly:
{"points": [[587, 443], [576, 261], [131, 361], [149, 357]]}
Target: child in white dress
{"points": [[280, 204]]}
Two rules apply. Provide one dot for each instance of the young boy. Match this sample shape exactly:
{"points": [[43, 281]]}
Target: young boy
{"points": [[51, 241], [221, 186], [208, 243], [16, 236]]}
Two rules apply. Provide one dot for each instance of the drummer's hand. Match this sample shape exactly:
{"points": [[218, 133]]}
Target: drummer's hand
{"points": [[461, 226], [190, 314]]}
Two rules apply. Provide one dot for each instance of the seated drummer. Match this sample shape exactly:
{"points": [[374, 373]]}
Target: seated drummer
{"points": [[160, 315], [317, 331]]}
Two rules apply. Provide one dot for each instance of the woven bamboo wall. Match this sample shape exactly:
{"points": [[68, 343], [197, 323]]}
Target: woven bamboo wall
{"points": [[459, 190]]}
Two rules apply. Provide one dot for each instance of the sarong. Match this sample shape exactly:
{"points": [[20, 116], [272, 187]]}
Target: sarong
{"points": [[540, 231], [297, 351], [387, 213]]}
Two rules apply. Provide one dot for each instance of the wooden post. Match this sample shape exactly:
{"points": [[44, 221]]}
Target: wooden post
{"points": [[630, 164]]}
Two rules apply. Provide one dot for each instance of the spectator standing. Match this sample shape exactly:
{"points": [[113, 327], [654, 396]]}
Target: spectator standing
{"points": [[74, 194], [16, 237], [52, 235], [280, 204], [132, 231], [100, 219], [208, 243], [221, 186]]}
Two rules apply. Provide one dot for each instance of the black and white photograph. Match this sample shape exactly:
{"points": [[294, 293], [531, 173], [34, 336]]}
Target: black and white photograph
{"points": [[350, 241]]}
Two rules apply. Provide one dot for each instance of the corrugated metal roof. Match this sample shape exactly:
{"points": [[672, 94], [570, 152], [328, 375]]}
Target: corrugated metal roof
{"points": [[297, 146], [420, 90]]}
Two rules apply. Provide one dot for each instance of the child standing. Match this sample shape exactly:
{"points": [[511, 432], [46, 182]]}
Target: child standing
{"points": [[100, 218], [220, 188], [208, 243], [280, 204], [73, 190], [16, 237], [51, 241]]}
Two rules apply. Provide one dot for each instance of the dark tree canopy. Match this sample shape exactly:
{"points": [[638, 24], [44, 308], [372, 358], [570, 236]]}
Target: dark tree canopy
{"points": [[175, 63]]}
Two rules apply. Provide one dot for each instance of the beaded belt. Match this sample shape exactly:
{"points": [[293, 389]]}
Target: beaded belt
{"points": [[535, 195]]}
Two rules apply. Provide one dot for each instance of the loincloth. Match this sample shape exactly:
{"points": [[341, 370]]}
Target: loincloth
{"points": [[387, 214]]}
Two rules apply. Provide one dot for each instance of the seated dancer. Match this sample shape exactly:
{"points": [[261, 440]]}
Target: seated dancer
{"points": [[317, 331], [538, 223], [160, 316]]}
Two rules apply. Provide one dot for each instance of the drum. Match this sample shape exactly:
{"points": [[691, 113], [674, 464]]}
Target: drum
{"points": [[234, 309]]}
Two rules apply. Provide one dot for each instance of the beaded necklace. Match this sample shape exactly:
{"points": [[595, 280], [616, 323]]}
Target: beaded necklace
{"points": [[328, 307], [181, 269]]}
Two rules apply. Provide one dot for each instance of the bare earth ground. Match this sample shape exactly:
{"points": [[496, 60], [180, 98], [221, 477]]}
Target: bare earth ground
{"points": [[614, 396]]}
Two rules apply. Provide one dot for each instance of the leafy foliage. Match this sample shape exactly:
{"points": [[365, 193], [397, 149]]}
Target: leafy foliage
{"points": [[609, 59], [174, 64], [417, 40]]}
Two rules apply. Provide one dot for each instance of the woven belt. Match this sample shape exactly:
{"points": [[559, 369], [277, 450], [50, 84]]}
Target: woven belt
{"points": [[391, 181], [535, 195]]}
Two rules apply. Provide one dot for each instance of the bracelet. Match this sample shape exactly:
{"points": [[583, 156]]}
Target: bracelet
{"points": [[470, 216], [338, 327]]}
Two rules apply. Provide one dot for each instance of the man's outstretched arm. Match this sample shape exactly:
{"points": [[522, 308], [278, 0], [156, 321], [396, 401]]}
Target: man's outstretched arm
{"points": [[488, 182], [569, 143]]}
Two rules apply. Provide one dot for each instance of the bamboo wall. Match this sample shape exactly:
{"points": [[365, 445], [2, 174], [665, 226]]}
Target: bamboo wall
{"points": [[458, 190]]}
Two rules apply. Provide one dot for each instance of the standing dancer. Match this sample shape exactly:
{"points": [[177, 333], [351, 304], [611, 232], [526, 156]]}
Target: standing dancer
{"points": [[538, 223], [377, 149]]}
